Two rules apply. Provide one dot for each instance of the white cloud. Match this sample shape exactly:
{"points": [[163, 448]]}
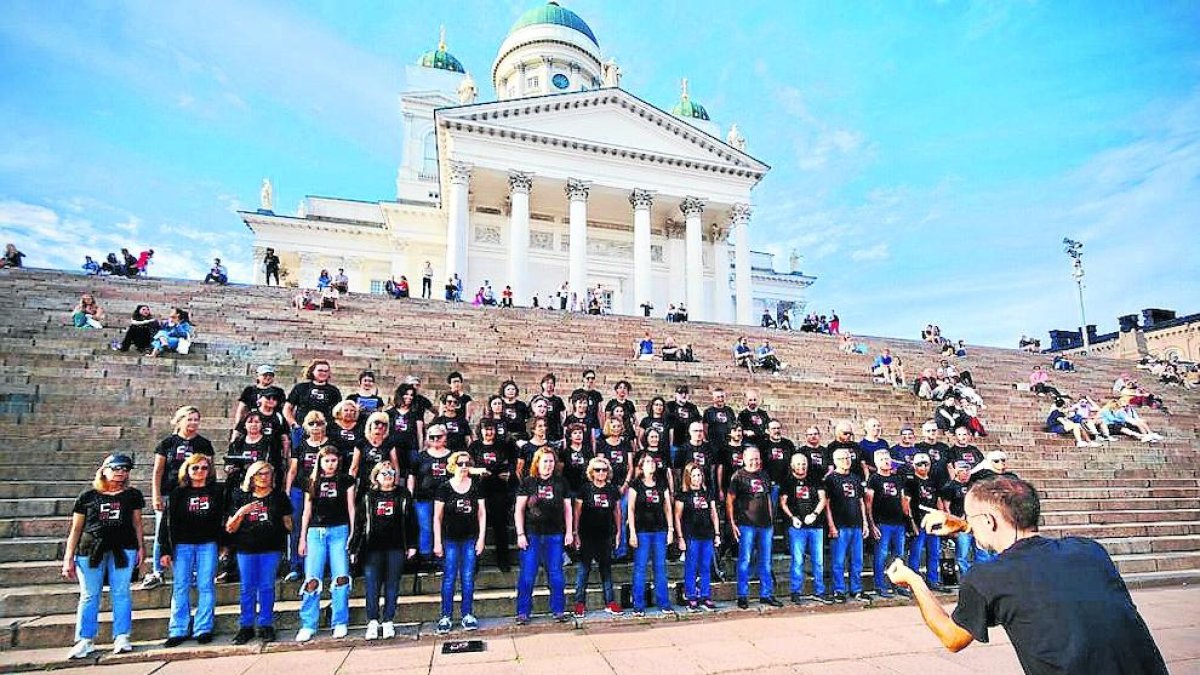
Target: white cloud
{"points": [[875, 253]]}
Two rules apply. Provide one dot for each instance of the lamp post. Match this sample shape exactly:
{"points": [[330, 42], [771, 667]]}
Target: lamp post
{"points": [[1074, 249]]}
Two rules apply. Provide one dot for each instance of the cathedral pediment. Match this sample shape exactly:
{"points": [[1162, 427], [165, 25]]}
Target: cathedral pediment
{"points": [[609, 121]]}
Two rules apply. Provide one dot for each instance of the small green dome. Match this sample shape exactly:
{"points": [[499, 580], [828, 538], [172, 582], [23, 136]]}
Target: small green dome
{"points": [[442, 60], [552, 13], [687, 107]]}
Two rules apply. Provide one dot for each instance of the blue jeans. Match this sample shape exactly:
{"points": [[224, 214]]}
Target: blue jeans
{"points": [[156, 550], [544, 550], [326, 544], [891, 542], [382, 569], [460, 560], [198, 561], [964, 543], [931, 546], [257, 571], [982, 556], [697, 569], [810, 540], [622, 548], [849, 540], [754, 540], [652, 547], [91, 583], [295, 559], [599, 553], [424, 511]]}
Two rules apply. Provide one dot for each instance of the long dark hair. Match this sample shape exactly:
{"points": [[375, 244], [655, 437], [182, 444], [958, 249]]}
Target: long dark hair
{"points": [[137, 312]]}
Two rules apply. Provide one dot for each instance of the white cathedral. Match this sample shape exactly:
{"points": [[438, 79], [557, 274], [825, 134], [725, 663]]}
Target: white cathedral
{"points": [[565, 177]]}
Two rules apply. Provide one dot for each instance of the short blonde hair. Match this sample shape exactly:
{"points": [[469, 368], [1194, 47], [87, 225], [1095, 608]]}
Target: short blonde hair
{"points": [[456, 459], [252, 470], [613, 427], [598, 463], [379, 468], [193, 459], [378, 416], [343, 406]]}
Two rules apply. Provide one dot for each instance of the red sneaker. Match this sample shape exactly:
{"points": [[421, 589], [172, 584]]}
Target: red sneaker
{"points": [[614, 608], [580, 609]]}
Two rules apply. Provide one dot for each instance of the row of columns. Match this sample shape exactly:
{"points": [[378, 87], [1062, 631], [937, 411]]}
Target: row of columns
{"points": [[520, 185]]}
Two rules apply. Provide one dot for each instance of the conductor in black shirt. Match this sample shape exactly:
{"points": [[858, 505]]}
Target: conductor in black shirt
{"points": [[1061, 601]]}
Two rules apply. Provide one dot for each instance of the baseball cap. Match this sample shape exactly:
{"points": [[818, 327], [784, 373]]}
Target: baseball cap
{"points": [[962, 465], [266, 369], [412, 379], [920, 457], [996, 455], [118, 461], [929, 426]]}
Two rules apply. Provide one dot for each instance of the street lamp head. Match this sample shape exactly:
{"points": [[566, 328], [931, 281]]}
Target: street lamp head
{"points": [[1072, 248]]}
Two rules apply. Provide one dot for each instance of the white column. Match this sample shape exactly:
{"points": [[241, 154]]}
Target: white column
{"points": [[722, 297], [676, 264], [519, 185], [739, 217], [577, 196], [456, 220], [693, 211], [260, 272], [641, 200]]}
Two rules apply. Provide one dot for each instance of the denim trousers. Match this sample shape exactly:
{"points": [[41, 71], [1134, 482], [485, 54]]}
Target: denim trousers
{"points": [[891, 542], [544, 550], [964, 544], [382, 570], [849, 541], [424, 511], [156, 549], [697, 569], [326, 544], [295, 560], [754, 540], [808, 541], [931, 546], [600, 553], [459, 565], [257, 594], [651, 548], [193, 563], [91, 583], [622, 548]]}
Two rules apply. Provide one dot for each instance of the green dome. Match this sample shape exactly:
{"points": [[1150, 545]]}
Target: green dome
{"points": [[689, 108], [553, 14], [442, 60]]}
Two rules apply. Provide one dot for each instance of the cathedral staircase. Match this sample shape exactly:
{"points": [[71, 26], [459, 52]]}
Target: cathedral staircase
{"points": [[66, 400]]}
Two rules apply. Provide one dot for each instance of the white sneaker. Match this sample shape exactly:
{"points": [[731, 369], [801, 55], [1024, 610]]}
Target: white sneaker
{"points": [[1081, 444], [121, 645], [1094, 444], [372, 630], [151, 580], [305, 634], [1157, 437], [339, 631], [81, 650], [389, 630]]}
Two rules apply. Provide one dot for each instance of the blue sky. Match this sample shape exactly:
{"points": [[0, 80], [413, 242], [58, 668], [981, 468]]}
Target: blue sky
{"points": [[928, 157]]}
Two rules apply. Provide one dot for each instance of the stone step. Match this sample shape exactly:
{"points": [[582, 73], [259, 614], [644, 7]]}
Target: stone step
{"points": [[1157, 562], [1189, 543]]}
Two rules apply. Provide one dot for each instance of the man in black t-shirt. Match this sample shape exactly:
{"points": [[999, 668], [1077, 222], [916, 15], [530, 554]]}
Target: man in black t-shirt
{"points": [[843, 433], [820, 460], [556, 408], [847, 520], [752, 517], [1061, 601], [315, 393], [697, 451], [718, 417], [922, 498], [680, 414], [777, 454], [951, 499], [962, 450], [594, 397], [939, 453], [753, 418], [802, 500], [888, 514]]}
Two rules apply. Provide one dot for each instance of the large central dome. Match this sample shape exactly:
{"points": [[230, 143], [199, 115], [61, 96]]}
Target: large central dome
{"points": [[556, 15]]}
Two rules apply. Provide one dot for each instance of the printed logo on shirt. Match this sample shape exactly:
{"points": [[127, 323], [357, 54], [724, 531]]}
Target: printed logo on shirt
{"points": [[756, 420], [385, 507], [699, 502], [926, 492], [722, 417], [310, 458], [438, 469], [510, 413], [736, 459], [802, 492], [545, 492], [327, 489], [577, 459], [969, 457], [816, 459], [451, 426], [198, 504], [600, 500], [699, 459], [463, 505], [401, 423], [757, 486], [653, 497], [890, 490], [110, 512], [683, 414], [182, 452], [258, 513], [776, 452], [317, 394], [348, 434], [848, 489], [489, 458]]}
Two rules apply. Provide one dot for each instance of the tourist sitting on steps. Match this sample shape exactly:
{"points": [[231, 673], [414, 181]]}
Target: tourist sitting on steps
{"points": [[87, 314], [743, 356], [216, 274], [644, 350], [140, 333], [174, 335], [766, 358], [1059, 422]]}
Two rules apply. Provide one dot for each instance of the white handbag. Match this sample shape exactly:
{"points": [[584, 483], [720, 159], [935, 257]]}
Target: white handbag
{"points": [[185, 346]]}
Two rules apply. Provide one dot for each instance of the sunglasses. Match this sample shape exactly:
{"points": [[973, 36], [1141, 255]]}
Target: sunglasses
{"points": [[198, 467], [379, 424], [391, 474], [922, 463], [120, 468], [316, 424], [465, 465]]}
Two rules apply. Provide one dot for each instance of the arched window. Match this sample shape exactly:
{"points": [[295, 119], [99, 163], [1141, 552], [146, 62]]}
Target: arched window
{"points": [[429, 163]]}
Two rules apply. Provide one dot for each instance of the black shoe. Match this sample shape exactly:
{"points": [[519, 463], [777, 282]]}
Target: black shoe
{"points": [[797, 599], [860, 597], [938, 588], [267, 633], [204, 638], [743, 603], [243, 636], [174, 641], [770, 601], [839, 598], [903, 592], [824, 599]]}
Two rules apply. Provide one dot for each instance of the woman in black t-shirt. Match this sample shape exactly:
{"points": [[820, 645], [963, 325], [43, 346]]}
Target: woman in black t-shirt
{"points": [[619, 452], [538, 437], [495, 412], [459, 514], [386, 533], [105, 540], [245, 450], [516, 411], [576, 457], [458, 428], [367, 395], [260, 517], [494, 461], [654, 446], [408, 422], [375, 447], [656, 418], [651, 526], [428, 472], [346, 430], [544, 526], [168, 457], [325, 532], [698, 532], [597, 519], [191, 525], [141, 330]]}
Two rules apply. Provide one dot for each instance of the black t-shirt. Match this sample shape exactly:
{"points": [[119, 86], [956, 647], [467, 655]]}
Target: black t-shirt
{"points": [[194, 516], [243, 453], [819, 459], [702, 456], [308, 396], [366, 404], [252, 393], [497, 459], [717, 422], [554, 416], [262, 529], [966, 453], [305, 454], [955, 493], [617, 456], [856, 454], [679, 418], [517, 415], [597, 506], [939, 458], [628, 406], [754, 421], [544, 504], [369, 455], [803, 496], [329, 507], [662, 463], [696, 518], [460, 514], [845, 493], [176, 449], [108, 519], [590, 426], [404, 427], [777, 457], [733, 458], [887, 494], [345, 440], [751, 498], [430, 472], [648, 506], [921, 492], [595, 398], [1064, 607], [457, 431], [274, 429], [387, 521], [659, 424], [575, 462]]}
